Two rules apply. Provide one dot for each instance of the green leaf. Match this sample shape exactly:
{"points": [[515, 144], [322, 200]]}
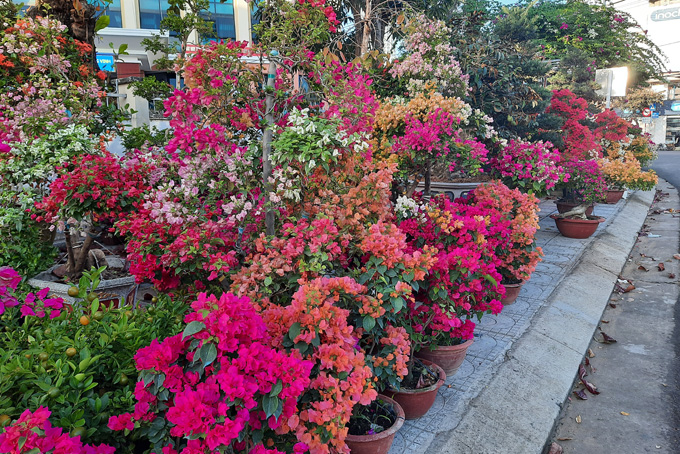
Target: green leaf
{"points": [[268, 281], [208, 354], [294, 331], [276, 389], [193, 328], [102, 23], [369, 323], [270, 404]]}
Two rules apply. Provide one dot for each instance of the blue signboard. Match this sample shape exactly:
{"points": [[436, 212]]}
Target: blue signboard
{"points": [[655, 114], [106, 62]]}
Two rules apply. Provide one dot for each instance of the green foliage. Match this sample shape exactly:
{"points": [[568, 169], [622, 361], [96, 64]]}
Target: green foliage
{"points": [[24, 244], [83, 372], [503, 65], [150, 88], [606, 35], [143, 136]]}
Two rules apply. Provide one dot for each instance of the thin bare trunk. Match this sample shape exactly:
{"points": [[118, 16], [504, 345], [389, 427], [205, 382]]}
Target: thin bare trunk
{"points": [[368, 18]]}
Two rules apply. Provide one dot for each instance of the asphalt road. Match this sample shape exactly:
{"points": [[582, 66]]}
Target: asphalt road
{"points": [[667, 166]]}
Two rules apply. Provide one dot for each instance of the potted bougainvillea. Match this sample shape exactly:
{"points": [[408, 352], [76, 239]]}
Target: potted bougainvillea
{"points": [[463, 283], [586, 186], [530, 167], [512, 225]]}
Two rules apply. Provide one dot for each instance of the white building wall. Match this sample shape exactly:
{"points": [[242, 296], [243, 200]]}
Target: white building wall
{"points": [[662, 22]]}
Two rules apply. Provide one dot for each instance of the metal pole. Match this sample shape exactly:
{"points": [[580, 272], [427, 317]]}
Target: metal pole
{"points": [[610, 79], [267, 142]]}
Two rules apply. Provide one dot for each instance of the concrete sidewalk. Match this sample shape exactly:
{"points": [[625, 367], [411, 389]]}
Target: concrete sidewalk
{"points": [[637, 375], [509, 392]]}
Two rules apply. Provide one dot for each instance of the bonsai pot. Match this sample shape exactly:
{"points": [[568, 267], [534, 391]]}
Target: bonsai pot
{"points": [[417, 402], [117, 289], [511, 293], [576, 227], [613, 196], [381, 442], [564, 205], [448, 357]]}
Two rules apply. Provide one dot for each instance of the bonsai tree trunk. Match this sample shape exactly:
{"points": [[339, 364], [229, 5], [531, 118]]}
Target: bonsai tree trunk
{"points": [[577, 212], [77, 256]]}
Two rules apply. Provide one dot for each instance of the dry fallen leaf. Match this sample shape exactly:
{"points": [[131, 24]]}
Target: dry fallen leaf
{"points": [[676, 256], [612, 305], [590, 353], [564, 439], [578, 419], [581, 394], [607, 338], [642, 268], [604, 321], [590, 387], [555, 449], [625, 414], [661, 266], [671, 275]]}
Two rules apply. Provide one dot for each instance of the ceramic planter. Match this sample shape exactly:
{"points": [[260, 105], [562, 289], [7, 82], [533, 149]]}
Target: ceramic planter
{"points": [[511, 293], [613, 196], [577, 228], [117, 289], [448, 357], [417, 402], [563, 206], [379, 443]]}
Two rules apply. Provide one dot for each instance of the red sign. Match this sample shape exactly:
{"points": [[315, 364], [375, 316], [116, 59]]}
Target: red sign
{"points": [[646, 112]]}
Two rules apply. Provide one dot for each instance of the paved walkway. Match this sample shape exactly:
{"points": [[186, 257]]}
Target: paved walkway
{"points": [[485, 402]]}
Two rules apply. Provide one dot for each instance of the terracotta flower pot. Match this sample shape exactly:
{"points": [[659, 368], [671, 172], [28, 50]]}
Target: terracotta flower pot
{"points": [[577, 228], [448, 357], [564, 206], [613, 196], [511, 293], [379, 443], [417, 402]]}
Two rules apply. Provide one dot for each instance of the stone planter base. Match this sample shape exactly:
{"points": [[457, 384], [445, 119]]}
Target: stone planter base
{"points": [[112, 289]]}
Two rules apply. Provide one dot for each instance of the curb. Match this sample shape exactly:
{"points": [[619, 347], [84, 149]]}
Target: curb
{"points": [[517, 410]]}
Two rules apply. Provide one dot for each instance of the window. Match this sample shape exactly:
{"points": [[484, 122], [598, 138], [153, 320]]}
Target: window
{"points": [[115, 16], [151, 12], [222, 17]]}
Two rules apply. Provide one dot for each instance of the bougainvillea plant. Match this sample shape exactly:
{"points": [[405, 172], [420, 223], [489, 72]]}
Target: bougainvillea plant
{"points": [[427, 131], [531, 167], [218, 384], [44, 79], [464, 282], [512, 228], [33, 433], [621, 170], [92, 190], [586, 184], [579, 141]]}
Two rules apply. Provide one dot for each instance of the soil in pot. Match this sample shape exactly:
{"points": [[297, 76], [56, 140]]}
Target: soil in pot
{"points": [[577, 228], [565, 205], [372, 427], [448, 357], [417, 393]]}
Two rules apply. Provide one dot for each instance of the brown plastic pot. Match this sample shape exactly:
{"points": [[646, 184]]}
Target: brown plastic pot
{"points": [[577, 228], [448, 357], [564, 206], [417, 402], [379, 443], [511, 293], [613, 196]]}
